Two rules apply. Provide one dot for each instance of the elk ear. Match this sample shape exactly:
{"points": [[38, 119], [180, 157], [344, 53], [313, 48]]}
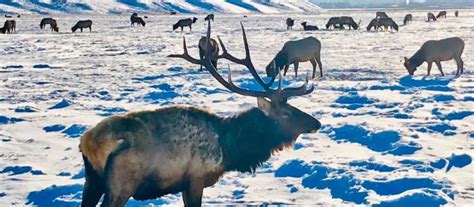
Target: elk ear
{"points": [[264, 105]]}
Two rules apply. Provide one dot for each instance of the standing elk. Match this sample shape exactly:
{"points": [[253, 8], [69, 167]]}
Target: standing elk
{"points": [[441, 14], [203, 50], [290, 23], [307, 27], [374, 23], [408, 19], [52, 24], [149, 154], [185, 23], [386, 23], [339, 22], [82, 24], [431, 17], [209, 17], [8, 27], [437, 51], [136, 19], [381, 15], [456, 13], [294, 52]]}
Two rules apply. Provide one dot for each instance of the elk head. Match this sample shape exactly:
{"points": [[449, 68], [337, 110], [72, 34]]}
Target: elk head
{"points": [[410, 68], [272, 102]]}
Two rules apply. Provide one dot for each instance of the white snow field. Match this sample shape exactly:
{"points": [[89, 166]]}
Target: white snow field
{"points": [[387, 139]]}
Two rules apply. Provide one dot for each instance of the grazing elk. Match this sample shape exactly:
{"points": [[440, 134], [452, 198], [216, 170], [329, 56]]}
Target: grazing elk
{"points": [[82, 24], [8, 27], [185, 23], [339, 22], [136, 19], [431, 17], [149, 154], [408, 19], [386, 23], [374, 23], [437, 51], [307, 27], [8, 16], [294, 52], [209, 17], [173, 13], [290, 23], [52, 24], [456, 13], [381, 15], [213, 47], [441, 14]]}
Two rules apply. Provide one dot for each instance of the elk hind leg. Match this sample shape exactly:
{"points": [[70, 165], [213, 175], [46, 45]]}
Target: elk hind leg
{"points": [[439, 67], [124, 172], [460, 65], [93, 187], [313, 62], [192, 196]]}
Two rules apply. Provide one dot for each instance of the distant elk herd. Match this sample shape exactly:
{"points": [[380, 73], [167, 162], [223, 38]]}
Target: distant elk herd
{"points": [[293, 52]]}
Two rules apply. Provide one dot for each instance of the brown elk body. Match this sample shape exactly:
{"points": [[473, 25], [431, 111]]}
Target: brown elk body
{"points": [[152, 153], [136, 19], [294, 52], [381, 15], [82, 24], [408, 19], [431, 17], [209, 17], [185, 23], [442, 14], [8, 27], [437, 51], [290, 23], [52, 23]]}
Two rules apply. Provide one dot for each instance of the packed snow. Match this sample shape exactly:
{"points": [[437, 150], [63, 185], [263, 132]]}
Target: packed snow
{"points": [[387, 139]]}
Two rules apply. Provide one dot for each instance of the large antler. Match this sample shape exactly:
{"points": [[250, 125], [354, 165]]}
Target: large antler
{"points": [[186, 55], [280, 95]]}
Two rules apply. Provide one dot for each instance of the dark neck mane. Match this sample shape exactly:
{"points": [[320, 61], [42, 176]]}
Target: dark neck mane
{"points": [[418, 58], [249, 139]]}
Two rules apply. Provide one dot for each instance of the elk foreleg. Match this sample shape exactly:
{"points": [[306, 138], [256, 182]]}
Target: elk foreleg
{"points": [[439, 67], [429, 67], [285, 70], [192, 196]]}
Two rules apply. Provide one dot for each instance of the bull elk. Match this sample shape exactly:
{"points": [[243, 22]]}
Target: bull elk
{"points": [[294, 52], [148, 154], [437, 51]]}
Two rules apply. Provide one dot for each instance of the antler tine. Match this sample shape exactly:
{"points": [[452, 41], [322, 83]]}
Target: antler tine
{"points": [[185, 54], [229, 85], [299, 91]]}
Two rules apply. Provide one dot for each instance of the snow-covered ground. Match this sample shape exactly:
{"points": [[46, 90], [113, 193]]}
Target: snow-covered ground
{"points": [[387, 138]]}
